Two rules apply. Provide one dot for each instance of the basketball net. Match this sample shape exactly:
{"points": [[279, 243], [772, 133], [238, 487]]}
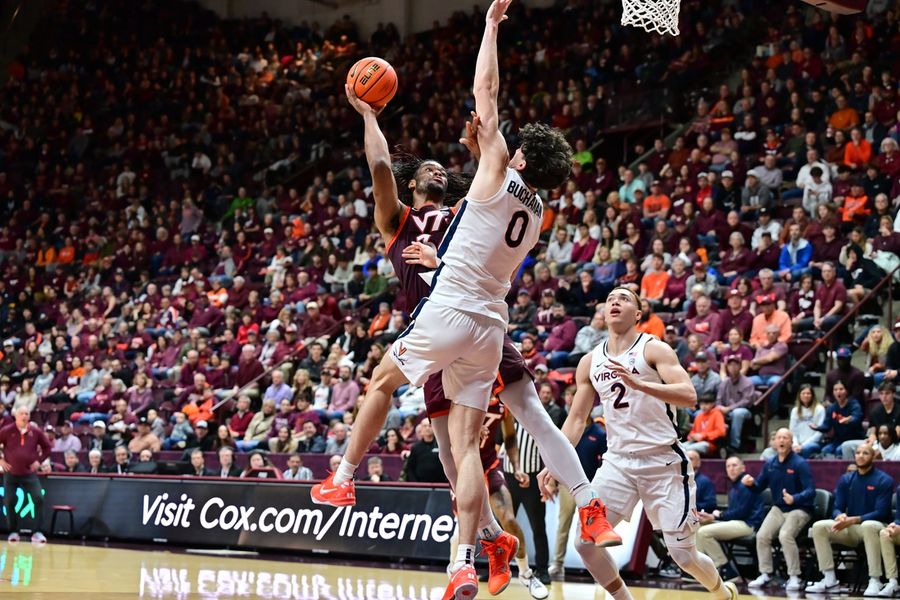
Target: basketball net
{"points": [[660, 16]]}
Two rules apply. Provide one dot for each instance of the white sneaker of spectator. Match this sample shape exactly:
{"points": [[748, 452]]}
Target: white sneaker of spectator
{"points": [[874, 587], [794, 584], [761, 581], [537, 589], [38, 538], [889, 589], [827, 584]]}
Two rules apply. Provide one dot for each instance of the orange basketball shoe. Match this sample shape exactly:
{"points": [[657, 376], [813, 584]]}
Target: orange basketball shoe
{"points": [[331, 494], [595, 529], [500, 551], [463, 584]]}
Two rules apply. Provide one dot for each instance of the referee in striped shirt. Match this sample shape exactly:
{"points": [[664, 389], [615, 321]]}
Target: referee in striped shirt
{"points": [[521, 469]]}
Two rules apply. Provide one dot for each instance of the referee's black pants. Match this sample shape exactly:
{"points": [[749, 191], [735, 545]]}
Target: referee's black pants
{"points": [[530, 498], [32, 485]]}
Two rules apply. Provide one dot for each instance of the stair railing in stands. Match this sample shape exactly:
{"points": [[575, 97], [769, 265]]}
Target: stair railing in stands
{"points": [[826, 340]]}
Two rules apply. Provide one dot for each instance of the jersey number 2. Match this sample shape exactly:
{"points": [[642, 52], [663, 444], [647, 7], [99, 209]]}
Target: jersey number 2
{"points": [[619, 389], [514, 238]]}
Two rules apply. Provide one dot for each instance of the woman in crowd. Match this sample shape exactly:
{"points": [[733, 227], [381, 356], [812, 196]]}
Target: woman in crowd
{"points": [[803, 299], [806, 414]]}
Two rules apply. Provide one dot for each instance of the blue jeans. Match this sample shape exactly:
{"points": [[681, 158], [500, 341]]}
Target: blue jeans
{"points": [[736, 418], [245, 446], [91, 417], [85, 396], [769, 380], [171, 443], [518, 334], [557, 359], [832, 448]]}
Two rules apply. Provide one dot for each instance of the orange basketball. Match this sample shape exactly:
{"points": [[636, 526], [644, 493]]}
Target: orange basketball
{"points": [[374, 81]]}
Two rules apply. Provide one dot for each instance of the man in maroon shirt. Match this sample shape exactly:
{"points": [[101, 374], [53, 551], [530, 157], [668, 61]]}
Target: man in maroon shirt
{"points": [[24, 447], [734, 315], [831, 298], [705, 324]]}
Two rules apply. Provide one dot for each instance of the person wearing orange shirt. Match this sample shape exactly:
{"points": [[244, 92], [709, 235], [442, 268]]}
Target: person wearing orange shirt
{"points": [[769, 315], [66, 254], [46, 255], [855, 208], [380, 321], [650, 322], [708, 428], [654, 282], [657, 204], [858, 152], [844, 117], [218, 295]]}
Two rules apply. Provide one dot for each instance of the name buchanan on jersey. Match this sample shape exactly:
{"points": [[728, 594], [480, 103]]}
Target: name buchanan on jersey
{"points": [[531, 200]]}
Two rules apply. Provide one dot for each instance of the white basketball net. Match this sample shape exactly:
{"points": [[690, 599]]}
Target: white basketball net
{"points": [[660, 16]]}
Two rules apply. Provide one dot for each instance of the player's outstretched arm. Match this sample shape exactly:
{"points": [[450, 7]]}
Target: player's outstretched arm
{"points": [[582, 403], [676, 387], [494, 154], [387, 202]]}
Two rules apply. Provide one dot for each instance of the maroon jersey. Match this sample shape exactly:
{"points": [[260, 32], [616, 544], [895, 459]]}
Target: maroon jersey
{"points": [[426, 225], [493, 418], [512, 368]]}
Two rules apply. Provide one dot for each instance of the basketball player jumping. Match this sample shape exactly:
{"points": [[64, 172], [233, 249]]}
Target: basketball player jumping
{"points": [[460, 328], [499, 419], [640, 383], [421, 227]]}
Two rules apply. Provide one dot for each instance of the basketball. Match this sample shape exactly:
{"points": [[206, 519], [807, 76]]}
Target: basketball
{"points": [[374, 81]]}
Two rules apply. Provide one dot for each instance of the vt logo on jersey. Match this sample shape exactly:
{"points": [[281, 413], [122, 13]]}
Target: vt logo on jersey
{"points": [[427, 223]]}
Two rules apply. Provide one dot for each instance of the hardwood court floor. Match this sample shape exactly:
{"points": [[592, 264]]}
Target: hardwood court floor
{"points": [[59, 571]]}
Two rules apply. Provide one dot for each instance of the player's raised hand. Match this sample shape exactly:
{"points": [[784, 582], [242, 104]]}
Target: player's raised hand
{"points": [[471, 139], [496, 14], [418, 253], [748, 480], [361, 107], [625, 375]]}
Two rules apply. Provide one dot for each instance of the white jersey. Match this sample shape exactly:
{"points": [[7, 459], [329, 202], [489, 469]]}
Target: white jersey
{"points": [[635, 422], [484, 245]]}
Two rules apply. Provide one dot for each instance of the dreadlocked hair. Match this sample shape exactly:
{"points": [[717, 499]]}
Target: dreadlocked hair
{"points": [[406, 165], [548, 156]]}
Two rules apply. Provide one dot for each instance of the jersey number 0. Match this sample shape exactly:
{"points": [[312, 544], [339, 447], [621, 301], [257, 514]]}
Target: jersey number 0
{"points": [[514, 238]]}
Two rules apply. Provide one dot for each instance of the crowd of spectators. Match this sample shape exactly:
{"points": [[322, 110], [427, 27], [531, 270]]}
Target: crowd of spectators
{"points": [[165, 286], [159, 257]]}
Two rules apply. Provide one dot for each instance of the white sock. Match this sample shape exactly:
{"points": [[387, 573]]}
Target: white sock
{"points": [[622, 593], [465, 555], [344, 472], [875, 580], [583, 494], [892, 580], [830, 577], [490, 530], [522, 563]]}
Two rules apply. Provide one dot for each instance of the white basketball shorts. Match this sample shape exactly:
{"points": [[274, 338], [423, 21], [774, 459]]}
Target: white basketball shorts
{"points": [[663, 480], [465, 346]]}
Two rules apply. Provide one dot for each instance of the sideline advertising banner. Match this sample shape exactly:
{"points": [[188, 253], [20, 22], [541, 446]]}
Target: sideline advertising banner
{"points": [[401, 522]]}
